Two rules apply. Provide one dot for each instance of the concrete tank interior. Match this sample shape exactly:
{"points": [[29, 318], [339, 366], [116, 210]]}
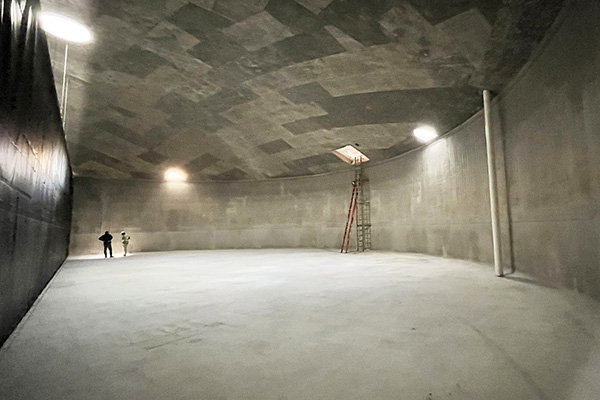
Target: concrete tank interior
{"points": [[235, 288]]}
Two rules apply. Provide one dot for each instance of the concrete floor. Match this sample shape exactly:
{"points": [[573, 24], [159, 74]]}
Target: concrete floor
{"points": [[300, 324]]}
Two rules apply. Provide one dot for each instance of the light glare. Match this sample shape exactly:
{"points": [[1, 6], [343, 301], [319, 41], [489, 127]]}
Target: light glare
{"points": [[64, 28], [175, 175], [425, 134]]}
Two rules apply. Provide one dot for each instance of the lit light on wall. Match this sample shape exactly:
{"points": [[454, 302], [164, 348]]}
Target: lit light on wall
{"points": [[64, 28], [425, 134], [175, 175]]}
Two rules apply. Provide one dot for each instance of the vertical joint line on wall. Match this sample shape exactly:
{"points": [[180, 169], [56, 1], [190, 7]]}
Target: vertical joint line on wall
{"points": [[493, 185], [64, 115], [63, 97]]}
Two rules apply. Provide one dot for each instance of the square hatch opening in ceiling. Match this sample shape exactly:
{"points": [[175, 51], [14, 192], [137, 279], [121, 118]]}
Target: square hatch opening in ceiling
{"points": [[349, 154]]}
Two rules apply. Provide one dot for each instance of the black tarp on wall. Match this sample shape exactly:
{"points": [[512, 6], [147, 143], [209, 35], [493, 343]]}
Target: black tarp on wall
{"points": [[35, 176]]}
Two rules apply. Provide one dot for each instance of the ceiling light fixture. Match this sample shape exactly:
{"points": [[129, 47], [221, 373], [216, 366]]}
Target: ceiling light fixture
{"points": [[65, 28], [175, 175], [425, 134], [70, 31]]}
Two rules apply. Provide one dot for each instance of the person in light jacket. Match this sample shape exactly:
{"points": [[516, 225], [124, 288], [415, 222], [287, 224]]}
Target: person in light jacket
{"points": [[125, 238]]}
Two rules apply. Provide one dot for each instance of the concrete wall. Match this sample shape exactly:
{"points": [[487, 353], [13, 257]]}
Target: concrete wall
{"points": [[433, 200], [302, 212], [551, 119], [35, 190]]}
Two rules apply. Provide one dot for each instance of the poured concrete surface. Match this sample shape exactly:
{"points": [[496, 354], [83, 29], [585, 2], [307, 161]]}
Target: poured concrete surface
{"points": [[257, 89], [300, 324]]}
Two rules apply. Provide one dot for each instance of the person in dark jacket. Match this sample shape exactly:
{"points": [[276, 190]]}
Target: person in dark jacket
{"points": [[107, 238]]}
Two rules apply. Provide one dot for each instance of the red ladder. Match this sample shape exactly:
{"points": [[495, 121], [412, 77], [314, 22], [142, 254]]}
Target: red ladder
{"points": [[350, 219]]}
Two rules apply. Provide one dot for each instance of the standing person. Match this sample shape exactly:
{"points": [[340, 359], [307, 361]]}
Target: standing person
{"points": [[125, 238], [107, 238]]}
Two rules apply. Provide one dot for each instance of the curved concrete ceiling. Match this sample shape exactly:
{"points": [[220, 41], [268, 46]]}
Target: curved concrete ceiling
{"points": [[256, 89]]}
